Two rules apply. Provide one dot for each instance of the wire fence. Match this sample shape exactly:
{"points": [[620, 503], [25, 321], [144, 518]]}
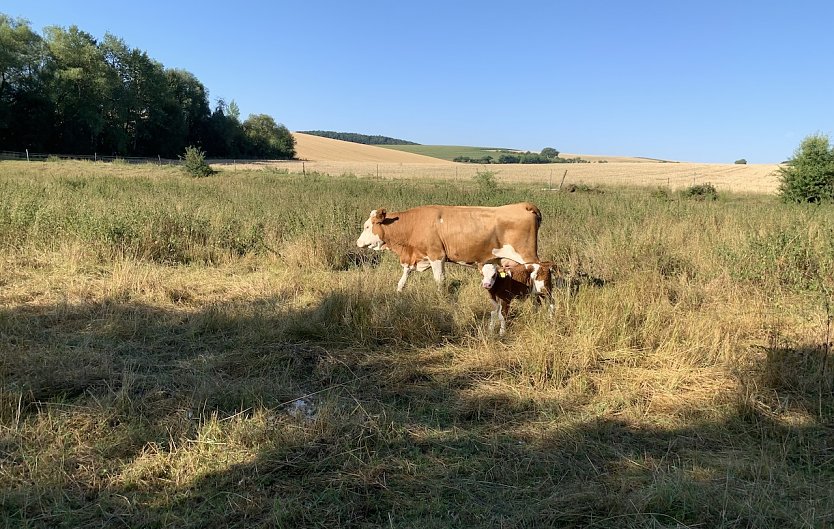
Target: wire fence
{"points": [[42, 157], [756, 178]]}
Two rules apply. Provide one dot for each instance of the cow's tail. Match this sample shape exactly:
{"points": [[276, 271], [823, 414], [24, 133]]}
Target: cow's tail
{"points": [[535, 211]]}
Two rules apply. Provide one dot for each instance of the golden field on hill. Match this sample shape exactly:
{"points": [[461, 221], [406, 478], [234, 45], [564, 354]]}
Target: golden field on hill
{"points": [[336, 158]]}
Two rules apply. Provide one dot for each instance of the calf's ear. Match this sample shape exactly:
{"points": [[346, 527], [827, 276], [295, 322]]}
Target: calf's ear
{"points": [[380, 215]]}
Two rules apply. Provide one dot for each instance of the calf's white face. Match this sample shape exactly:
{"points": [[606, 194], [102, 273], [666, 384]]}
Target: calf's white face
{"points": [[368, 239], [490, 272]]}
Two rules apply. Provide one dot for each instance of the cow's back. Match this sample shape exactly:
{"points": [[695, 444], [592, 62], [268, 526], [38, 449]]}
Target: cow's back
{"points": [[473, 234]]}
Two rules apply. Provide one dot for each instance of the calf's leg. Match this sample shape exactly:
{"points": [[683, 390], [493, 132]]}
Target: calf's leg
{"points": [[407, 269]]}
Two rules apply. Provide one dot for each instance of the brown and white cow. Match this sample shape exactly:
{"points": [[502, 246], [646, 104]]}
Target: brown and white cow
{"points": [[429, 236], [506, 283]]}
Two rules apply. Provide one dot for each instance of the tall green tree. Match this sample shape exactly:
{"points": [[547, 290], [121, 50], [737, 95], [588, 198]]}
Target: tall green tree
{"points": [[267, 139], [192, 99], [78, 87], [66, 92], [18, 45], [25, 107], [224, 135], [146, 112]]}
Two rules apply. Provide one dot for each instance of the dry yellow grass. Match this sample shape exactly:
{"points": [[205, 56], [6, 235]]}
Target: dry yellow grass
{"points": [[334, 157], [157, 333]]}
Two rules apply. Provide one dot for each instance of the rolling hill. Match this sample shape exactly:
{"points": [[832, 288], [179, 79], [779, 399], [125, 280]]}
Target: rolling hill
{"points": [[319, 149], [334, 157]]}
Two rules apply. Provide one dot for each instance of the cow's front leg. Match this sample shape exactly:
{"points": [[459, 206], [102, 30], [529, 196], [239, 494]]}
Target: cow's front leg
{"points": [[407, 269]]}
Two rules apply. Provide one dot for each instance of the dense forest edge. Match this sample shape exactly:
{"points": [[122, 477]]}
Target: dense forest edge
{"points": [[64, 91]]}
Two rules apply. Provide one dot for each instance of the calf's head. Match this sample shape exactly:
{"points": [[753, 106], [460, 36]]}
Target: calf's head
{"points": [[371, 233], [490, 272]]}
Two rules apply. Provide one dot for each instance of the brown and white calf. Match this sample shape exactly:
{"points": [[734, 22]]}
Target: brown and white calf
{"points": [[506, 283]]}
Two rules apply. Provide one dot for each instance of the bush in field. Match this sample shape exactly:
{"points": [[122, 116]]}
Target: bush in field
{"points": [[741, 161], [701, 192], [487, 183], [194, 162], [809, 175], [550, 152]]}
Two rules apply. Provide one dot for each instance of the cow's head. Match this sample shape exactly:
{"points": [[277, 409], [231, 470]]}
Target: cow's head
{"points": [[371, 234], [490, 272]]}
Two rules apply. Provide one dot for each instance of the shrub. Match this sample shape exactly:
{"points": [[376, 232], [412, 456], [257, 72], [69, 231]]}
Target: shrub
{"points": [[661, 193], [582, 188], [809, 175], [487, 183], [741, 161], [701, 192], [194, 162]]}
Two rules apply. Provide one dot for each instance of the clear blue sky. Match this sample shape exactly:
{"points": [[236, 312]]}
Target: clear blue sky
{"points": [[708, 81]]}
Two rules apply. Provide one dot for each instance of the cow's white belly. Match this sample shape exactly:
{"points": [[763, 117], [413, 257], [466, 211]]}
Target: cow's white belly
{"points": [[423, 264], [508, 252]]}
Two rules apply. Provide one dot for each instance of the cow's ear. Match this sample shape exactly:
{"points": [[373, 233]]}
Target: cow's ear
{"points": [[380, 215]]}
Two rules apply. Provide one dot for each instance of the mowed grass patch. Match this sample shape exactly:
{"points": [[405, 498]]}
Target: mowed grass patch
{"points": [[221, 378]]}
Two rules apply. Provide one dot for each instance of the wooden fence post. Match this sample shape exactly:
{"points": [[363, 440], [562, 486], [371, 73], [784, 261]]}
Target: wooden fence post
{"points": [[563, 179]]}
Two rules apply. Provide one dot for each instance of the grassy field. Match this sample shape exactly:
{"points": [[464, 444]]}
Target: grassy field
{"points": [[448, 152], [216, 352]]}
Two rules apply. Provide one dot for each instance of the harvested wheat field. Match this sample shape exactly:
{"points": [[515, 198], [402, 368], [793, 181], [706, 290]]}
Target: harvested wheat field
{"points": [[337, 158]]}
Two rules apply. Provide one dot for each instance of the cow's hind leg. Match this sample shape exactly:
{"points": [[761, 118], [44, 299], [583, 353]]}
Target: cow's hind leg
{"points": [[437, 271]]}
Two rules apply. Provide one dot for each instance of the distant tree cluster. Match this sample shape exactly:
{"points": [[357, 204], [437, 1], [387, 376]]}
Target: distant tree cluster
{"points": [[358, 138], [65, 92], [468, 159], [524, 157], [548, 155]]}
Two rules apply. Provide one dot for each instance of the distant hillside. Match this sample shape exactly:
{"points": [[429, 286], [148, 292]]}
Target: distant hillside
{"points": [[358, 138]]}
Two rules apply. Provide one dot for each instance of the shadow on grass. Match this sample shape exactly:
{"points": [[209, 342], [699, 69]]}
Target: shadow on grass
{"points": [[123, 414]]}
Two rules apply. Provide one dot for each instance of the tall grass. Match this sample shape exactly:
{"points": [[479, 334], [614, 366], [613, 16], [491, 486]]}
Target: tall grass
{"points": [[216, 352]]}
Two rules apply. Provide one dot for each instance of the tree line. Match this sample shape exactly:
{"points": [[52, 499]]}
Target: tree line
{"points": [[66, 92], [547, 155], [366, 139]]}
